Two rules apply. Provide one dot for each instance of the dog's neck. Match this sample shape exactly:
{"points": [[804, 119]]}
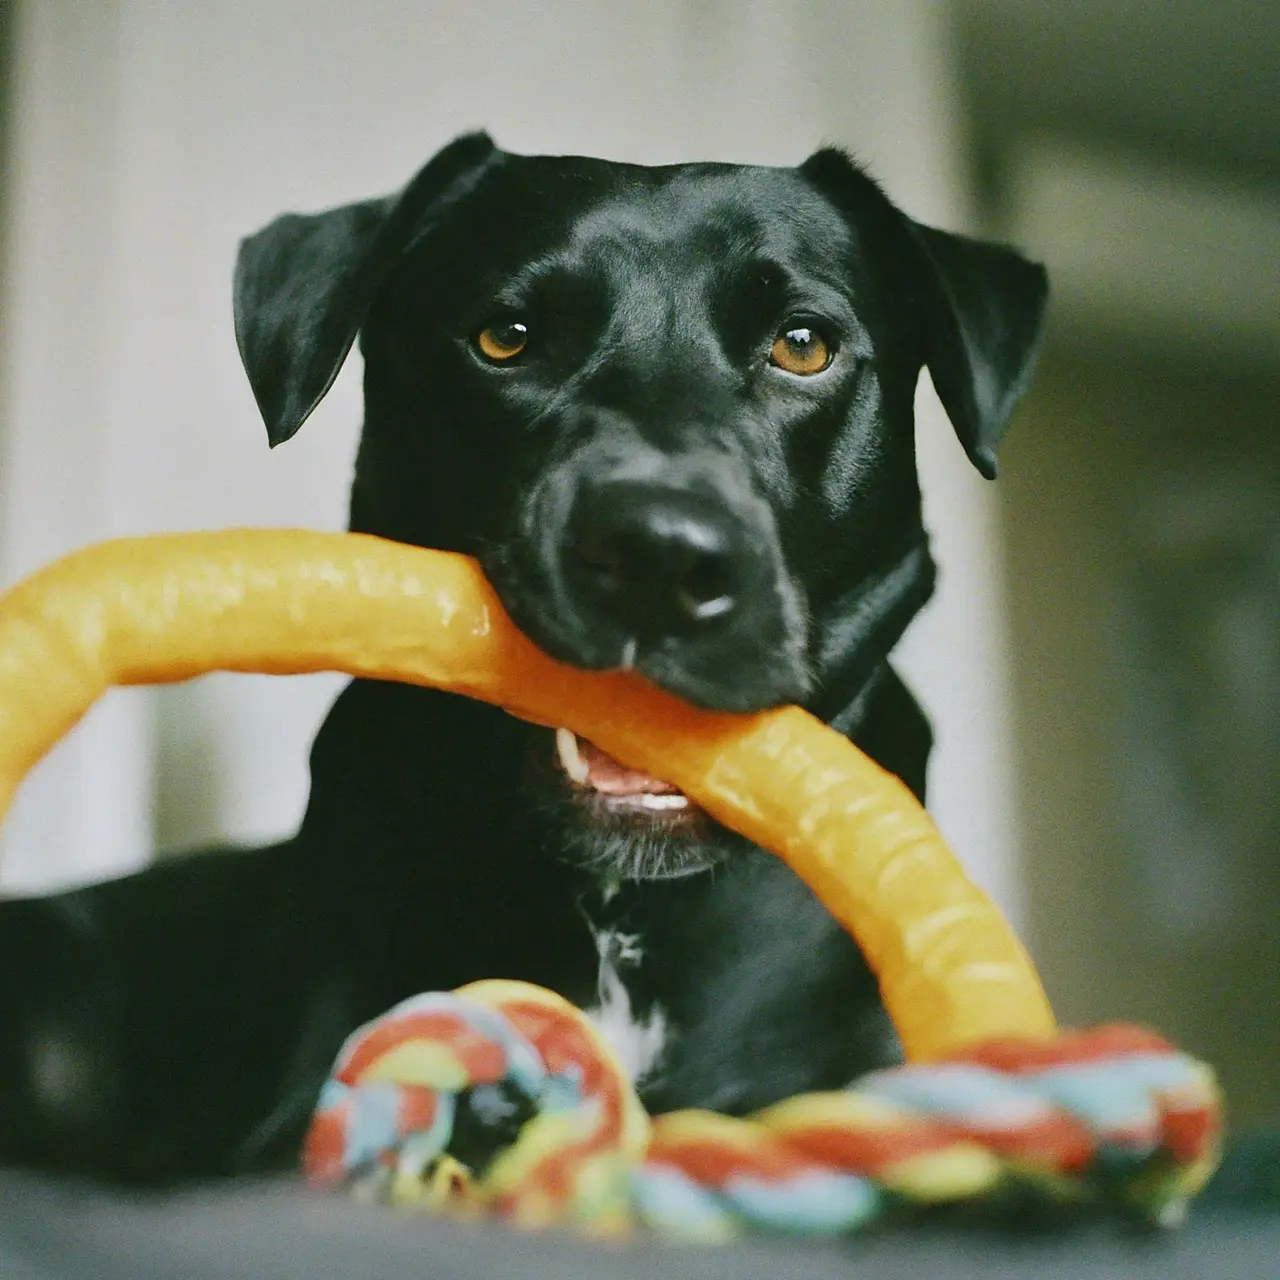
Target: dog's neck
{"points": [[861, 629]]}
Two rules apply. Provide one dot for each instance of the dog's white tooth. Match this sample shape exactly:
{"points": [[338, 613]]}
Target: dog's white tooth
{"points": [[570, 757], [666, 801], [627, 659]]}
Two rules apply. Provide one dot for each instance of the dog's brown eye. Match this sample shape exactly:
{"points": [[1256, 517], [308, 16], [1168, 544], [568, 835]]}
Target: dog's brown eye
{"points": [[503, 341], [800, 350]]}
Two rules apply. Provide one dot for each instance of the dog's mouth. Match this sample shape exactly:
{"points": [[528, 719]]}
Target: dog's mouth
{"points": [[617, 788]]}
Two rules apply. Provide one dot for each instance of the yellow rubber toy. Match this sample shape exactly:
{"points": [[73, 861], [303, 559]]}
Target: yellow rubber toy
{"points": [[160, 609]]}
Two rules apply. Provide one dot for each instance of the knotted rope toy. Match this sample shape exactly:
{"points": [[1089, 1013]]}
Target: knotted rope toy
{"points": [[993, 1097]]}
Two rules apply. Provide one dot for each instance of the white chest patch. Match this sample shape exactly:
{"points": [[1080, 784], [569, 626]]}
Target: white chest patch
{"points": [[60, 1071], [637, 1043]]}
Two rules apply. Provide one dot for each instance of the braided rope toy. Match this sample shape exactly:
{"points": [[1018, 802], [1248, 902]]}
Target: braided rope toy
{"points": [[993, 1100], [1113, 1116]]}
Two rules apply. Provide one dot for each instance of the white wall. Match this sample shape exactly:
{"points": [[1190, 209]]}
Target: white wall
{"points": [[149, 136]]}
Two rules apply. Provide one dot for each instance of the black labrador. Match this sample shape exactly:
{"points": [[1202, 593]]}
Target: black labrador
{"points": [[671, 411]]}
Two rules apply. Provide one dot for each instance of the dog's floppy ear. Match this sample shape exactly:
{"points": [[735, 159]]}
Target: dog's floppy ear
{"points": [[304, 284], [984, 311], [981, 306]]}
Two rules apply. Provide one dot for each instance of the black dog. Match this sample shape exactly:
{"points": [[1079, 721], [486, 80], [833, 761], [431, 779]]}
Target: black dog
{"points": [[670, 410]]}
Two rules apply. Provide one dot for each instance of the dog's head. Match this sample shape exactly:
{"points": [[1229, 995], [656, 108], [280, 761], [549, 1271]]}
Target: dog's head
{"points": [[670, 409]]}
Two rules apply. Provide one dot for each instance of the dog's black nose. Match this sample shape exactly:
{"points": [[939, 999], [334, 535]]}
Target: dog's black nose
{"points": [[656, 561]]}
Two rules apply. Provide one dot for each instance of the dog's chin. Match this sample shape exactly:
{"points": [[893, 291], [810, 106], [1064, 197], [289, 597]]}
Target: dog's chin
{"points": [[617, 846]]}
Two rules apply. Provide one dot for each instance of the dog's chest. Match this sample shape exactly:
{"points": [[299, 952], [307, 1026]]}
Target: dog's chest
{"points": [[636, 1031]]}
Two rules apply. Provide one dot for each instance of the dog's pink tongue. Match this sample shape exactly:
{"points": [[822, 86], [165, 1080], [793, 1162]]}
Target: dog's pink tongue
{"points": [[612, 778]]}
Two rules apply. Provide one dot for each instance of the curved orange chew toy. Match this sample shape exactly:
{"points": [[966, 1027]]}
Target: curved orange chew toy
{"points": [[153, 610]]}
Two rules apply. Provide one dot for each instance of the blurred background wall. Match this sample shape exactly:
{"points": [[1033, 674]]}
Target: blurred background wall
{"points": [[1102, 663], [1136, 147]]}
